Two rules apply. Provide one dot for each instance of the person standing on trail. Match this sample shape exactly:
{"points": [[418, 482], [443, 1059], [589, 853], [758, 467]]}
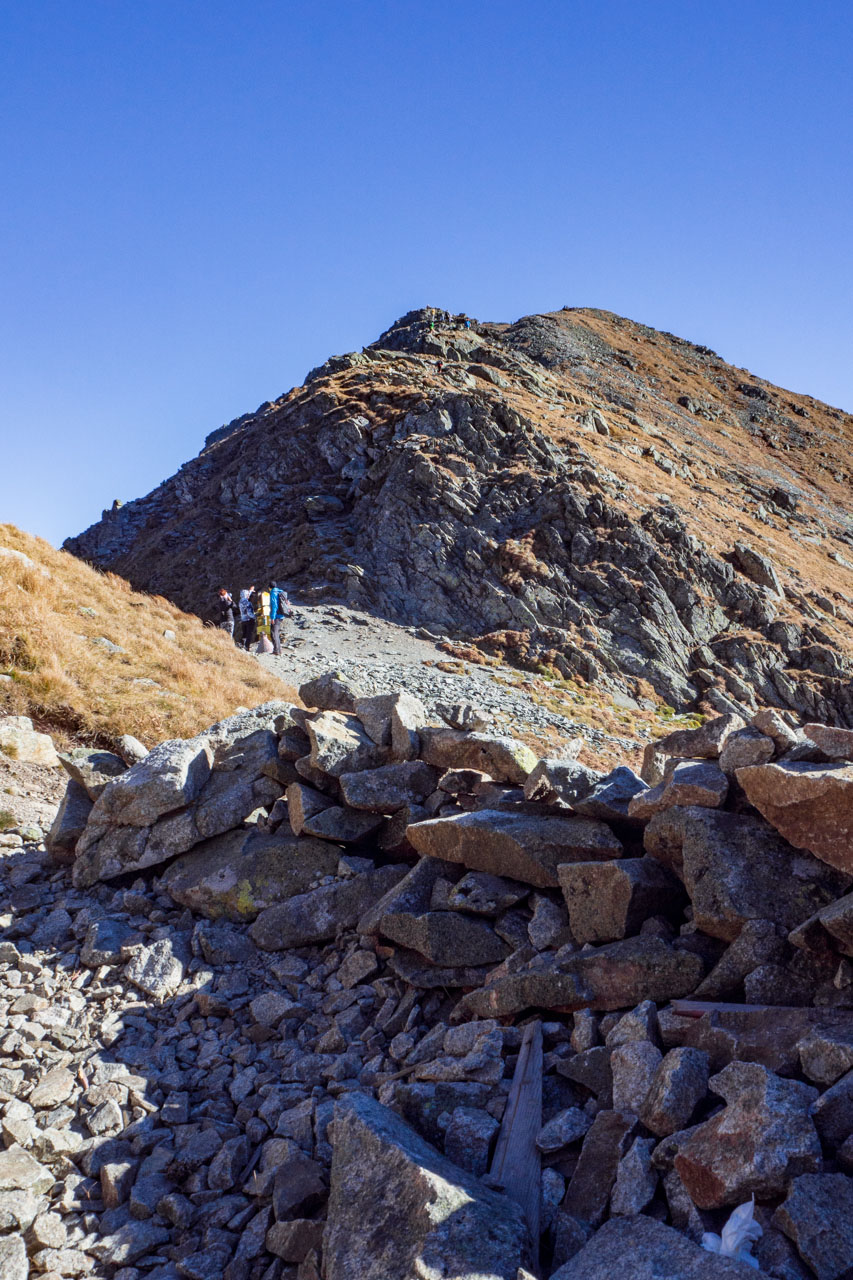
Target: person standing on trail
{"points": [[279, 609], [226, 611], [248, 622]]}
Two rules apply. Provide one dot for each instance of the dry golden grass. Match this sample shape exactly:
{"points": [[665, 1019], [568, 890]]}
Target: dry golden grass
{"points": [[519, 561], [52, 614]]}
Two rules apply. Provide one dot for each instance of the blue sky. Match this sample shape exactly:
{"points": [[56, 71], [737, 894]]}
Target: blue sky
{"points": [[201, 200]]}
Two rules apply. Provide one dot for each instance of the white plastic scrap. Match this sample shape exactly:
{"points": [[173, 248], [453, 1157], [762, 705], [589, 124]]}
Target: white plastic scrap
{"points": [[738, 1236]]}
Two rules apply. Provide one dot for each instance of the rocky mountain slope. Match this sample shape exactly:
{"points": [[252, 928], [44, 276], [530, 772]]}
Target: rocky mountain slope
{"points": [[573, 491]]}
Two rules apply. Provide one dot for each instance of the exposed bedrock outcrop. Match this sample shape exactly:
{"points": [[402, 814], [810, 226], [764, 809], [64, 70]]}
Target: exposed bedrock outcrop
{"points": [[491, 501]]}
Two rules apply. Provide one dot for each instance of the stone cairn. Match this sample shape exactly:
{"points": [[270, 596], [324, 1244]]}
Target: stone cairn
{"points": [[340, 993]]}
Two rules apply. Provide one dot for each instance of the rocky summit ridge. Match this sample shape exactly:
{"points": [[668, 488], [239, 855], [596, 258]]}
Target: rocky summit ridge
{"points": [[573, 490]]}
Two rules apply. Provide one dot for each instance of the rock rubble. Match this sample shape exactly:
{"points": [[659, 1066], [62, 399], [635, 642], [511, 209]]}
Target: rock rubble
{"points": [[230, 1048]]}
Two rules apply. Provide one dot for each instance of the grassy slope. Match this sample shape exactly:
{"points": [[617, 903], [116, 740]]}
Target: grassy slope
{"points": [[52, 614]]}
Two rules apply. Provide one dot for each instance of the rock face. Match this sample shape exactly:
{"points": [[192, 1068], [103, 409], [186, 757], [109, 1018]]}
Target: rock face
{"points": [[678, 1086], [445, 937], [518, 845], [744, 748], [736, 868], [69, 823], [831, 926], [810, 804], [759, 568], [181, 793], [398, 1209], [608, 1139], [835, 743], [340, 744], [817, 1214], [610, 900], [237, 875], [485, 501], [685, 782], [763, 1137], [387, 789], [314, 917]]}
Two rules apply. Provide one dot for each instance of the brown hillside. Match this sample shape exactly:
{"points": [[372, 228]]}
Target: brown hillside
{"points": [[745, 458], [87, 656]]}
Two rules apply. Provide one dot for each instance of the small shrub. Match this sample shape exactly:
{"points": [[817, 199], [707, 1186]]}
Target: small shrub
{"points": [[518, 561], [7, 819], [15, 652]]}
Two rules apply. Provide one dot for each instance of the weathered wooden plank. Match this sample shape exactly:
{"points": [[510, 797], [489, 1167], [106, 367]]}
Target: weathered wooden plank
{"points": [[516, 1166], [696, 1008], [746, 1012]]}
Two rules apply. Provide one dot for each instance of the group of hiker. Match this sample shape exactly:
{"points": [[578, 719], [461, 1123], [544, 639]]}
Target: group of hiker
{"points": [[445, 319], [254, 614]]}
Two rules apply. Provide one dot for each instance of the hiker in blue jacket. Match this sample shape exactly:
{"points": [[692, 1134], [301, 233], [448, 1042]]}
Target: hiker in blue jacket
{"points": [[279, 609]]}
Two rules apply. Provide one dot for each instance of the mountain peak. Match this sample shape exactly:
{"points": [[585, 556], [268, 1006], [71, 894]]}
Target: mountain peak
{"points": [[573, 490]]}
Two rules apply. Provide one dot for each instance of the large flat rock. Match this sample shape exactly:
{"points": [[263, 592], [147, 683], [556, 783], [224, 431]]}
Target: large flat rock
{"points": [[810, 804], [445, 937], [617, 976], [343, 826], [736, 868], [398, 1209], [323, 913], [833, 742], [237, 875], [522, 846], [504, 759], [182, 793], [169, 778], [390, 787]]}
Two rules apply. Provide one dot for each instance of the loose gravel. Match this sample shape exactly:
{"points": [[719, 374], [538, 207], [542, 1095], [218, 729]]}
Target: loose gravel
{"points": [[382, 657]]}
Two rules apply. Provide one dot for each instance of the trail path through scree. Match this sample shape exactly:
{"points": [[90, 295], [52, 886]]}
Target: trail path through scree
{"points": [[382, 657]]}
